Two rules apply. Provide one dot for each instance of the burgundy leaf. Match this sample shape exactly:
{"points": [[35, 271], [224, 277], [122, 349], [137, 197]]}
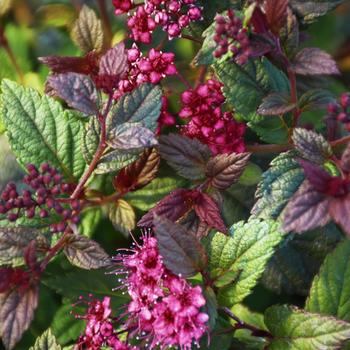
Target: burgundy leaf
{"points": [[172, 207], [208, 212], [276, 104], [82, 65], [187, 156], [307, 210], [85, 253], [340, 212], [318, 177], [224, 170], [345, 159], [77, 90], [16, 313], [182, 252], [114, 62], [314, 61], [139, 173], [276, 14]]}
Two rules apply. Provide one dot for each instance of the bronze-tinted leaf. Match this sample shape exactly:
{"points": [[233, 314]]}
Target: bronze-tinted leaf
{"points": [[87, 31], [276, 14], [224, 170], [276, 104], [139, 173], [85, 253], [182, 252], [16, 313]]}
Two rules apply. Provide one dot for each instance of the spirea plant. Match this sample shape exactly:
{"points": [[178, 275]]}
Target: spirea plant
{"points": [[226, 179]]}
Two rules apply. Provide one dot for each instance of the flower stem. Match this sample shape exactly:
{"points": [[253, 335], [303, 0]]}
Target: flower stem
{"points": [[192, 38]]}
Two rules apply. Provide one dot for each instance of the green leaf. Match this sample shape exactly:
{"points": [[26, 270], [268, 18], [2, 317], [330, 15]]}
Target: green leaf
{"points": [[330, 291], [297, 260], [251, 175], [246, 86], [46, 341], [90, 219], [39, 130], [240, 259], [123, 217], [278, 185], [87, 31], [56, 15], [254, 318], [311, 145], [295, 329], [91, 139], [84, 282], [5, 5], [315, 99], [205, 55], [85, 253], [116, 160], [309, 11], [276, 103], [66, 326], [141, 106], [148, 196]]}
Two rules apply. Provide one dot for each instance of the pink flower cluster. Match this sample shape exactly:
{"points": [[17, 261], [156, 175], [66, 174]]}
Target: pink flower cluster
{"points": [[230, 35], [165, 308], [341, 111], [207, 122], [99, 330], [150, 69], [171, 15]]}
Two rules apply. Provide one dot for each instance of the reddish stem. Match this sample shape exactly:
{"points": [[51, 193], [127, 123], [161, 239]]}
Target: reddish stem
{"points": [[192, 38]]}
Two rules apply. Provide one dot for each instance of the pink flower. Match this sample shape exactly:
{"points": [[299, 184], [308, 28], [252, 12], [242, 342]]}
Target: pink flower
{"points": [[122, 6], [141, 25], [207, 122], [165, 308]]}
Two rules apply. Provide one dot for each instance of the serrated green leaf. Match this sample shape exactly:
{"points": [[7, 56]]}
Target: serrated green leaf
{"points": [[87, 31], [56, 15], [251, 175], [66, 326], [205, 55], [46, 341], [279, 184], [84, 282], [315, 99], [330, 291], [91, 139], [90, 219], [311, 145], [246, 86], [39, 130], [141, 106], [116, 160], [297, 260], [244, 254], [295, 329], [147, 197]]}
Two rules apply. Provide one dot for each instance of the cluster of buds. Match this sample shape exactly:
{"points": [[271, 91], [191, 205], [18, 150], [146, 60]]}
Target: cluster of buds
{"points": [[99, 330], [145, 69], [41, 197], [172, 15], [340, 111], [231, 36], [208, 123], [165, 308]]}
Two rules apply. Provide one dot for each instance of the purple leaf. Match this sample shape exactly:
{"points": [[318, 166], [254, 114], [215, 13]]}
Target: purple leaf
{"points": [[314, 61], [307, 210], [339, 210], [85, 253], [345, 159], [276, 14], [187, 156], [182, 252], [172, 207], [114, 62], [77, 90], [224, 170], [208, 212], [131, 136], [318, 177], [276, 104], [16, 313]]}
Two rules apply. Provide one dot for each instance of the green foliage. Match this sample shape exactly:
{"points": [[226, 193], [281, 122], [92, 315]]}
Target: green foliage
{"points": [[330, 291], [46, 341], [295, 329], [278, 185], [40, 130], [236, 262]]}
